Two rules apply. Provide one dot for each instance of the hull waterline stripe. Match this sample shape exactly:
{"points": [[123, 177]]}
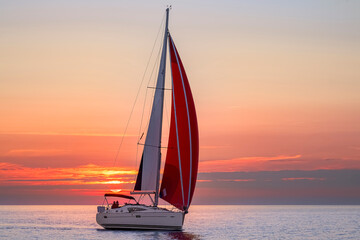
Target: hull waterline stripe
{"points": [[188, 116], [135, 226]]}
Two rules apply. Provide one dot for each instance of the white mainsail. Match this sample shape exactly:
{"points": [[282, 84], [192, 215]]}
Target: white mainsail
{"points": [[148, 176]]}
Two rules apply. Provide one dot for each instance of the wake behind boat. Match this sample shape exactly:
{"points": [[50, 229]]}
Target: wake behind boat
{"points": [[181, 164]]}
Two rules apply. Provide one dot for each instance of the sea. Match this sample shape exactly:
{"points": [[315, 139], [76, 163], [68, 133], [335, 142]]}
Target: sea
{"points": [[202, 222]]}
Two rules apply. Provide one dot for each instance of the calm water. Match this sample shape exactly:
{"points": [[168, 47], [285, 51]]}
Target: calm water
{"points": [[203, 222]]}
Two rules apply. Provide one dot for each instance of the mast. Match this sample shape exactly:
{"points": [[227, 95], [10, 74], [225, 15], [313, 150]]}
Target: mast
{"points": [[162, 77]]}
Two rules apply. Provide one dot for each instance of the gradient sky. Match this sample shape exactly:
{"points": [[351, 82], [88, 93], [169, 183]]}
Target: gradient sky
{"points": [[276, 85]]}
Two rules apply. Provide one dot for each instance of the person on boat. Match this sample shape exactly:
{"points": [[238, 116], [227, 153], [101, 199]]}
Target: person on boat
{"points": [[113, 205], [117, 204]]}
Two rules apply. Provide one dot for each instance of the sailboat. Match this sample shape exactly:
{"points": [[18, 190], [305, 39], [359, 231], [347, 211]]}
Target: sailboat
{"points": [[181, 162]]}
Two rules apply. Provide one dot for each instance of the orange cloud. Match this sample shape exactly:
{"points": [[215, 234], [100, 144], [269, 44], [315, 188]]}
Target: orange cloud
{"points": [[236, 180], [13, 174], [212, 147], [204, 180], [277, 163], [35, 152], [303, 178], [70, 134], [243, 163]]}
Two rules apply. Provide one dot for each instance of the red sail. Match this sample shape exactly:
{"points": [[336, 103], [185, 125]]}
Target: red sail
{"points": [[182, 157]]}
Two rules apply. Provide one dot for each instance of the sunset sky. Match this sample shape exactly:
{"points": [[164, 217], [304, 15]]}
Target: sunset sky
{"points": [[276, 85]]}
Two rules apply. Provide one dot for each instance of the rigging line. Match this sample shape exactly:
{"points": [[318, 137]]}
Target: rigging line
{"points": [[156, 61], [152, 72], [156, 66], [137, 95], [146, 91], [142, 115]]}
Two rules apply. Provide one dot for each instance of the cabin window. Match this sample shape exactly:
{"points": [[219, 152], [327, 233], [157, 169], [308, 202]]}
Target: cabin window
{"points": [[136, 209]]}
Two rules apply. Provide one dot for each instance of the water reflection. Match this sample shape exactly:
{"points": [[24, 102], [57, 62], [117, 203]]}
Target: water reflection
{"points": [[176, 235], [183, 236], [146, 234]]}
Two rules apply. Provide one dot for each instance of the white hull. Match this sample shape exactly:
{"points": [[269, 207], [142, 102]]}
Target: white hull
{"points": [[136, 216]]}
